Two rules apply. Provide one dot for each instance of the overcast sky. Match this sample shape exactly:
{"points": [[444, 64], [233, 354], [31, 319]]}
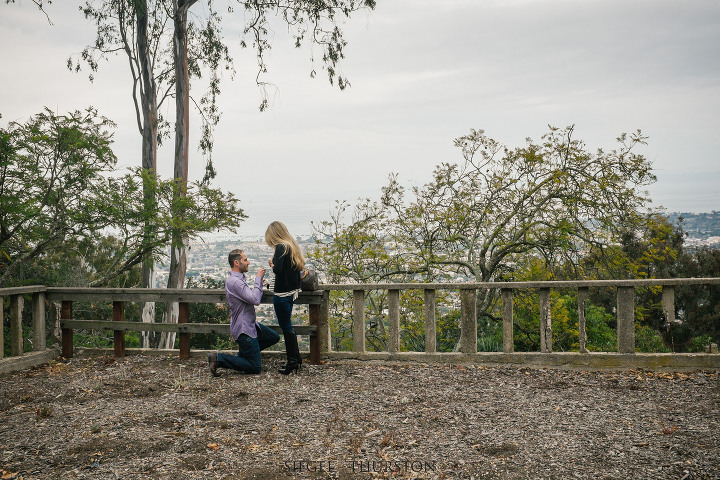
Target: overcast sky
{"points": [[423, 72]]}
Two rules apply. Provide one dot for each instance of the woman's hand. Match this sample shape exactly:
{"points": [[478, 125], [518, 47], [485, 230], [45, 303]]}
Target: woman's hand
{"points": [[270, 262]]}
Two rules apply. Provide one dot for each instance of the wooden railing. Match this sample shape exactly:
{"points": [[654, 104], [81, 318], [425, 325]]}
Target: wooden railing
{"points": [[17, 301], [319, 313], [184, 297], [118, 297]]}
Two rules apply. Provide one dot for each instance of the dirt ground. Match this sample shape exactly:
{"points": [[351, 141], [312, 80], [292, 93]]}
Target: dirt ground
{"points": [[161, 417]]}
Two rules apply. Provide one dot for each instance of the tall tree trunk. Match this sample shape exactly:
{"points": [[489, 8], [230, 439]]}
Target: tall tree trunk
{"points": [[148, 100], [178, 259]]}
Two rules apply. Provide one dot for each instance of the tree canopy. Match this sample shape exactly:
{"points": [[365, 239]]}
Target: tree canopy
{"points": [[546, 209], [476, 219], [59, 187]]}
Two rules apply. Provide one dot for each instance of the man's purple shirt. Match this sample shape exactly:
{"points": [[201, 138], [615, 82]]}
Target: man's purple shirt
{"points": [[242, 300]]}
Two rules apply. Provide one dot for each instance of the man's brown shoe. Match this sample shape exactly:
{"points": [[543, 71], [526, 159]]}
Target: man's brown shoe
{"points": [[212, 361]]}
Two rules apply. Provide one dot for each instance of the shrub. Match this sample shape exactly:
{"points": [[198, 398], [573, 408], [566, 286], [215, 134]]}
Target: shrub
{"points": [[648, 340]]}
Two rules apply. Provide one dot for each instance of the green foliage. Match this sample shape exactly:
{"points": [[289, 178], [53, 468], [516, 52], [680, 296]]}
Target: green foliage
{"points": [[655, 250], [552, 200], [79, 264], [101, 311], [651, 250], [526, 310], [649, 340], [546, 211], [490, 336], [412, 321], [341, 320], [317, 23], [210, 313], [448, 326], [26, 323], [500, 214], [52, 186], [61, 197], [144, 30], [199, 313], [601, 336], [700, 343], [698, 307], [564, 322]]}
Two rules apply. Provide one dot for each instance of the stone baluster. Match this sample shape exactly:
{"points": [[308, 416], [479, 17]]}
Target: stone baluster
{"points": [[626, 319], [583, 294], [393, 320], [468, 322], [430, 327], [545, 321], [508, 330], [358, 321]]}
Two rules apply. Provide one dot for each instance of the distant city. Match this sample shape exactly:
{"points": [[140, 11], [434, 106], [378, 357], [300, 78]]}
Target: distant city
{"points": [[701, 228], [208, 260], [208, 267]]}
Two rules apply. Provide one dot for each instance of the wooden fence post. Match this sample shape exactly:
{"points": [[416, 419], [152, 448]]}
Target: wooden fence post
{"points": [[2, 328], [393, 321], [38, 315], [119, 335], [430, 327], [468, 322], [16, 337], [314, 316], [323, 327], [184, 317], [626, 319], [67, 333], [359, 321], [582, 332], [508, 330]]}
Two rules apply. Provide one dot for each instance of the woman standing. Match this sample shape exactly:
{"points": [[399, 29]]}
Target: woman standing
{"points": [[287, 263]]}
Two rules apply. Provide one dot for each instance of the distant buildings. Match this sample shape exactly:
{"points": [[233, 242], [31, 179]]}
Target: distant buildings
{"points": [[712, 242], [207, 262]]}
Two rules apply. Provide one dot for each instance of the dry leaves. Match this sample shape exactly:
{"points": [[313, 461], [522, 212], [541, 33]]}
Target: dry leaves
{"points": [[159, 417]]}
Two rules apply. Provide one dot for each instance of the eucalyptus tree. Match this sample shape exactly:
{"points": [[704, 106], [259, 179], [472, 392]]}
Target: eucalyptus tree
{"points": [[40, 4], [305, 18], [137, 28], [141, 28]]}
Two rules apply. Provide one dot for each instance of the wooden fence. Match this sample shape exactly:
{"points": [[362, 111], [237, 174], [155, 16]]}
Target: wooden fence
{"points": [[319, 308]]}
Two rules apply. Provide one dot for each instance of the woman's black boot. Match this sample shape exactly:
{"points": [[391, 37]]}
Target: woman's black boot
{"points": [[293, 354], [290, 366]]}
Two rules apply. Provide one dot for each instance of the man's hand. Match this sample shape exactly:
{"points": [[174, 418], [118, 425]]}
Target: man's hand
{"points": [[260, 273]]}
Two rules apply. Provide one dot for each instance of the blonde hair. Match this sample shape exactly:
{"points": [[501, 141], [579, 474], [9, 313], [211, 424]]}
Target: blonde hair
{"points": [[277, 234]]}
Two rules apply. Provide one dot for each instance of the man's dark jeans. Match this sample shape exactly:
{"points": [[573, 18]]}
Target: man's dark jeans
{"points": [[248, 357]]}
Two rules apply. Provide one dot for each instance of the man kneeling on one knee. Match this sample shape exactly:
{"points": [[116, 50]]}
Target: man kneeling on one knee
{"points": [[251, 336]]}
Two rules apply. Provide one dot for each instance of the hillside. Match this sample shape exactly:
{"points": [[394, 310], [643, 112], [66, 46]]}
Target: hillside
{"points": [[699, 225]]}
